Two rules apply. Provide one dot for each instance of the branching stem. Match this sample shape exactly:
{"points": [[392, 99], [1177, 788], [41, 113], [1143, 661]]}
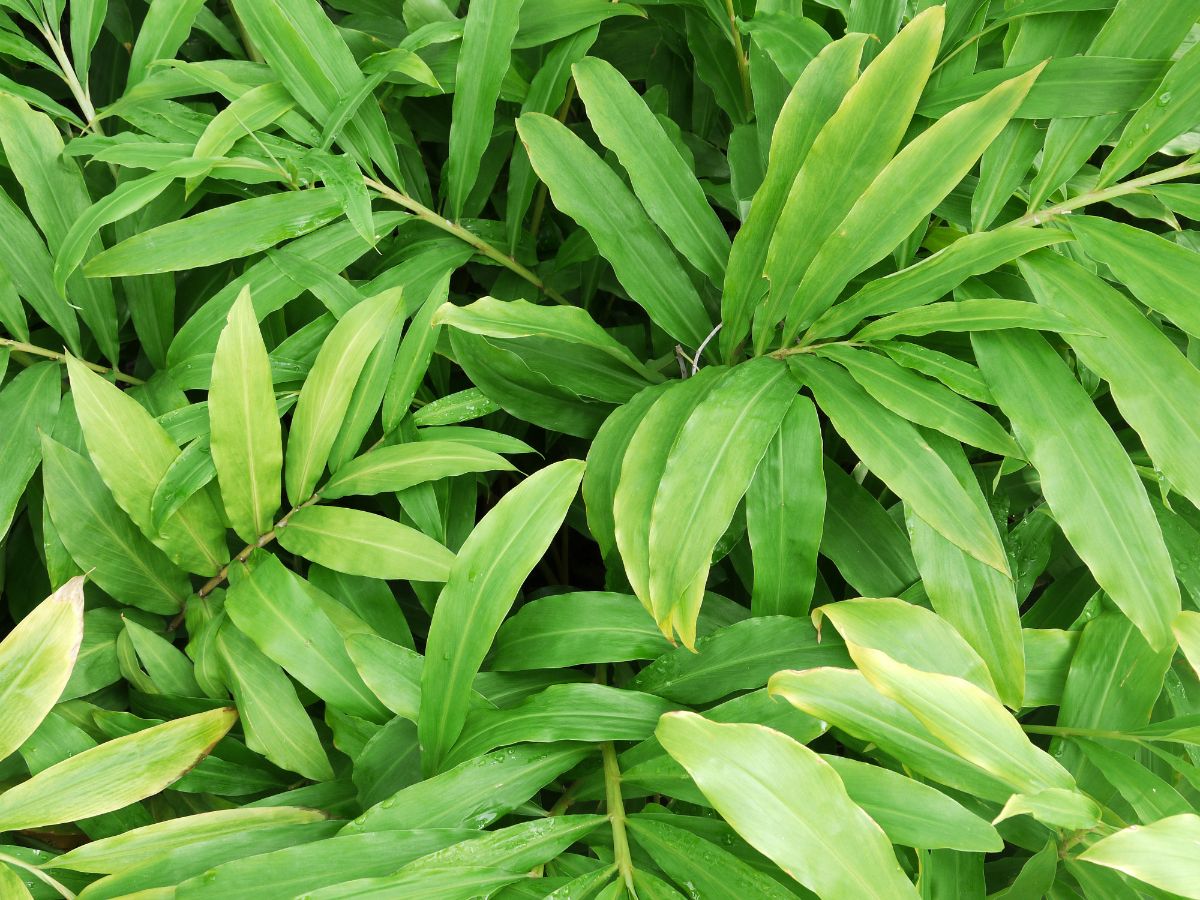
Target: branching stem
{"points": [[22, 347], [423, 212], [615, 805]]}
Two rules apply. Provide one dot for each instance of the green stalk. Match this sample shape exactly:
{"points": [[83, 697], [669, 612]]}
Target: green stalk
{"points": [[22, 347], [616, 816]]}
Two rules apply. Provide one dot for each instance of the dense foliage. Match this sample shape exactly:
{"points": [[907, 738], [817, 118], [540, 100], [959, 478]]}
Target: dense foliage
{"points": [[572, 448]]}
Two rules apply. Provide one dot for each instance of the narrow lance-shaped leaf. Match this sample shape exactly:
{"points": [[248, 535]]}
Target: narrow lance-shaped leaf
{"points": [[28, 406], [246, 227], [707, 473], [968, 720], [906, 191], [363, 543], [785, 511], [661, 179], [483, 583], [36, 659], [274, 720], [979, 602], [1097, 498], [100, 780], [850, 151], [246, 441], [895, 450], [969, 315], [587, 190], [932, 277], [1171, 110], [327, 391], [1162, 854], [132, 453], [163, 32], [1156, 270], [483, 60], [789, 805], [98, 535], [641, 470], [306, 51], [1153, 384], [813, 99]]}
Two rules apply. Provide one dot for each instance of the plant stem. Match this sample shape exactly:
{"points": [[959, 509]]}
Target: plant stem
{"points": [[1062, 731], [22, 347], [1182, 170], [38, 873], [474, 240], [539, 202], [616, 816], [740, 50], [78, 91], [257, 544]]}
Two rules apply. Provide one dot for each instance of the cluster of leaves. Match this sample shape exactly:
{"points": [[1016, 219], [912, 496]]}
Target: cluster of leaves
{"points": [[573, 448]]}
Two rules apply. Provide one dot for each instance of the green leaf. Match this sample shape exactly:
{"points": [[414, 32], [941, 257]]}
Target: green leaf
{"points": [[705, 476], [473, 794], [930, 278], [969, 315], [971, 722], [1161, 854], [100, 780], [908, 634], [902, 195], [1150, 796], [306, 51], [401, 466], [101, 538], [169, 669], [711, 870], [391, 671], [516, 319], [642, 467], [846, 157], [483, 582], [922, 401], [1152, 382], [756, 777], [576, 628], [28, 406], [1155, 269], [902, 458], [1172, 110], [661, 179], [321, 863], [56, 194], [738, 657], [785, 509], [483, 60], [272, 716], [911, 813], [813, 99], [1099, 501], [363, 543], [845, 699], [165, 28], [562, 712], [284, 616], [125, 851], [246, 437], [587, 190], [327, 390], [1069, 87], [36, 658], [29, 266], [1055, 807], [246, 227], [132, 452]]}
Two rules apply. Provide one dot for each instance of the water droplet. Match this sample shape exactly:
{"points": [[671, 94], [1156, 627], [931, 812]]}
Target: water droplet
{"points": [[1164, 98]]}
